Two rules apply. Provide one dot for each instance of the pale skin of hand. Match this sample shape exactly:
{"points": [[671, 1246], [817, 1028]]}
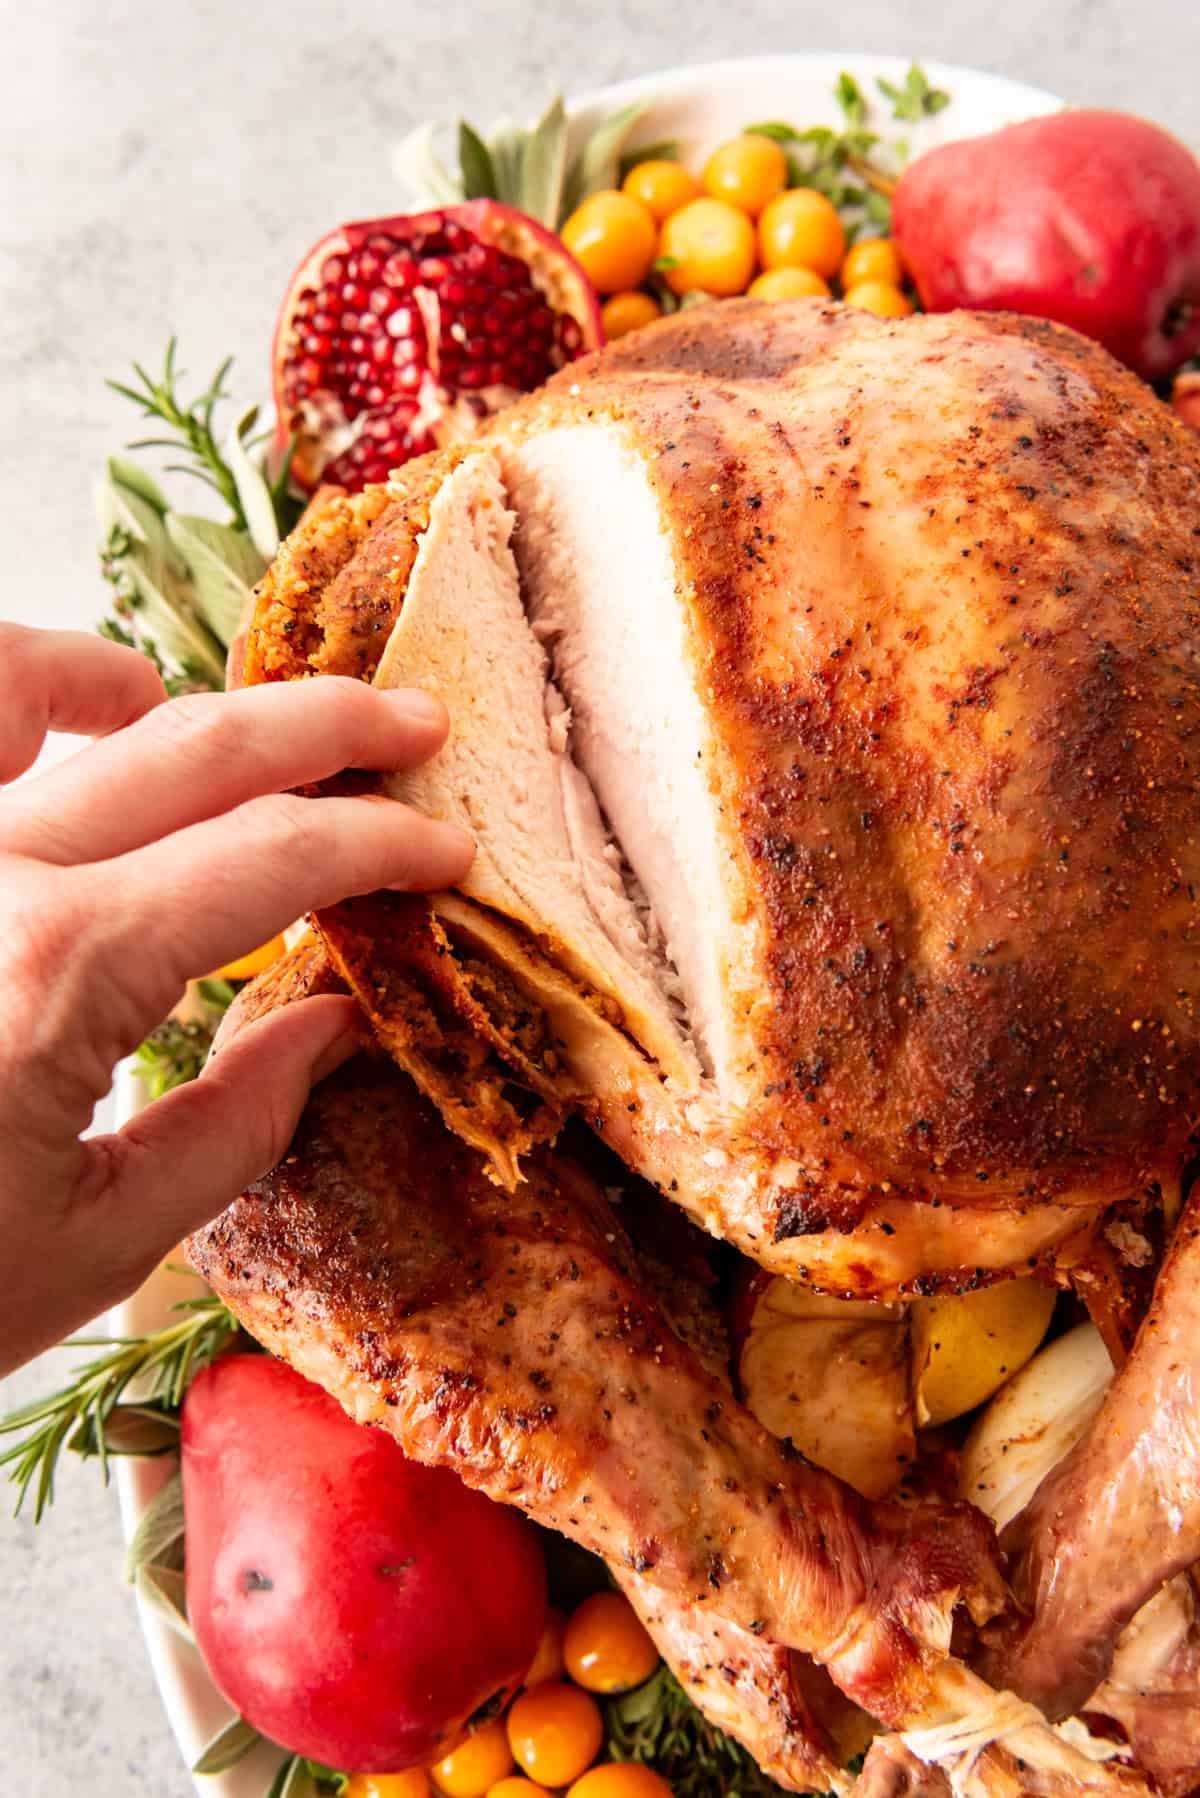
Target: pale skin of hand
{"points": [[162, 850]]}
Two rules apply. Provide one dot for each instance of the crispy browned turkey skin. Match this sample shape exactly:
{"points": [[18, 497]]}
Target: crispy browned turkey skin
{"points": [[510, 1337], [825, 703], [1121, 1515], [879, 643]]}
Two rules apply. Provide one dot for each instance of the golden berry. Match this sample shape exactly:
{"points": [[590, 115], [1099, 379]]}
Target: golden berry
{"points": [[801, 229], [661, 186], [789, 284], [748, 171], [874, 259], [710, 245], [626, 312], [614, 237], [879, 297]]}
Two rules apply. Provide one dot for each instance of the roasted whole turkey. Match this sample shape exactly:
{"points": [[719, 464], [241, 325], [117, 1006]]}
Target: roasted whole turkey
{"points": [[825, 696]]}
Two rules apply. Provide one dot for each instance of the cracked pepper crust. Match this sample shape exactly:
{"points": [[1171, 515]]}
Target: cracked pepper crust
{"points": [[952, 666], [953, 663]]}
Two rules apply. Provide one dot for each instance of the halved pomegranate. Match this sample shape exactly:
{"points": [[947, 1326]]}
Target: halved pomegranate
{"points": [[399, 335]]}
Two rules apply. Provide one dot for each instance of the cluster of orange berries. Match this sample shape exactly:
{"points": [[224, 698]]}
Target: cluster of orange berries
{"points": [[554, 1728], [738, 229]]}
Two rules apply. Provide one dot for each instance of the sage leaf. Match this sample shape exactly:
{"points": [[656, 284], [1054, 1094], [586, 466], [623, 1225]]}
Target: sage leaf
{"points": [[124, 473], [252, 487], [505, 147], [298, 1781], [327, 1775], [297, 1777], [421, 171], [164, 1590], [544, 164], [126, 509], [167, 616], [126, 1430], [775, 129], [282, 1774], [596, 165], [229, 1746], [158, 1538], [475, 162], [224, 565]]}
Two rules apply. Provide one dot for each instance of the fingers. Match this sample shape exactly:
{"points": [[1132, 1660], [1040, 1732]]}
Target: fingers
{"points": [[175, 1166], [205, 754], [69, 681], [193, 901]]}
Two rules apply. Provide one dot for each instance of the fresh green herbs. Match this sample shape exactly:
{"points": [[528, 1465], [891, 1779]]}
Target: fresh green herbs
{"points": [[175, 1052], [155, 607], [91, 1416], [188, 431], [154, 1563], [659, 1725], [295, 1777], [916, 99], [853, 166], [180, 582], [531, 169]]}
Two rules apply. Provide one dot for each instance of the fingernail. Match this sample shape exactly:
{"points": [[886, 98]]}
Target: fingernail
{"points": [[421, 707]]}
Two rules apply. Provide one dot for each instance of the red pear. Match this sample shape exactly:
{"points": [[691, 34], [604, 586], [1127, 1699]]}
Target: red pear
{"points": [[1090, 218]]}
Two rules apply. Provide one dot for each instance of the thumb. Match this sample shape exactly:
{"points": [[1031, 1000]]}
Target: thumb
{"points": [[177, 1164]]}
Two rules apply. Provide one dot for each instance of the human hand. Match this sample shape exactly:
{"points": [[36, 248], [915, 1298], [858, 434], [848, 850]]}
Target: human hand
{"points": [[163, 850]]}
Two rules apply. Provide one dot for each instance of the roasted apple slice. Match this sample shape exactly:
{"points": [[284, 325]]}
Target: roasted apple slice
{"points": [[850, 1381], [830, 1375], [966, 1344]]}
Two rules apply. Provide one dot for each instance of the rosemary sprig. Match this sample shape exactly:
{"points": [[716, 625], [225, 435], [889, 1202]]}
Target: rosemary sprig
{"points": [[87, 1416], [180, 582], [659, 1725], [190, 426]]}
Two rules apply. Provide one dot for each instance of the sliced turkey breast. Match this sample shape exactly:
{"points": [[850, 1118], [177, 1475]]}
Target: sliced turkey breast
{"points": [[829, 741], [506, 775], [600, 583]]}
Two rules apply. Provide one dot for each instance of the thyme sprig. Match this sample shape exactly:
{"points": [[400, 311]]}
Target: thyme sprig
{"points": [[660, 1726], [177, 1051], [87, 1414]]}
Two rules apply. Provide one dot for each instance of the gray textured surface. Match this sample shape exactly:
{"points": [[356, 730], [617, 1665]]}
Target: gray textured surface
{"points": [[160, 168]]}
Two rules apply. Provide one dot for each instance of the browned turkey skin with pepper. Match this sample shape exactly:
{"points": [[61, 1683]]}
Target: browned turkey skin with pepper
{"points": [[511, 1337], [825, 704], [918, 604]]}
